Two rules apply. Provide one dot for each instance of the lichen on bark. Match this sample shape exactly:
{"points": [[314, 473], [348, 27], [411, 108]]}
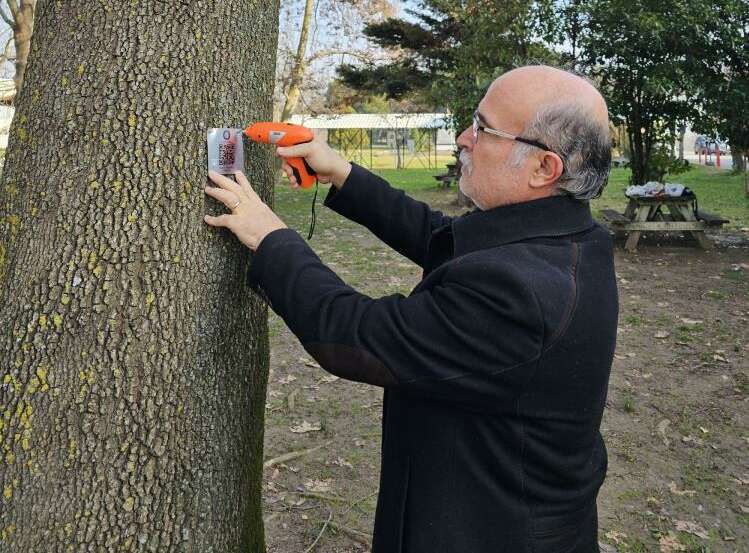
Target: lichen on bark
{"points": [[133, 356]]}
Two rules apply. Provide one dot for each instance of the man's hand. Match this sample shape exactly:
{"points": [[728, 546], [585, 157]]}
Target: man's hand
{"points": [[250, 219], [327, 163]]}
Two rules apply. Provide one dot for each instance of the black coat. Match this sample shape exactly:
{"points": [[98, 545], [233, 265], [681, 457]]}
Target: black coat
{"points": [[495, 367]]}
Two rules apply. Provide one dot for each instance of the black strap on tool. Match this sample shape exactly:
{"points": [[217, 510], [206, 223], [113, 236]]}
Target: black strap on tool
{"points": [[314, 215]]}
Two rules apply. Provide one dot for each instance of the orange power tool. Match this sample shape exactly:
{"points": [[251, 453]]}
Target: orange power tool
{"points": [[286, 134]]}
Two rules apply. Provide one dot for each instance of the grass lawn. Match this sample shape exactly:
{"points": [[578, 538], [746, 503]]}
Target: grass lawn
{"points": [[718, 192]]}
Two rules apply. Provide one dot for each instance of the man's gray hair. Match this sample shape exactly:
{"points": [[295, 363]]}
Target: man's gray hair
{"points": [[583, 143]]}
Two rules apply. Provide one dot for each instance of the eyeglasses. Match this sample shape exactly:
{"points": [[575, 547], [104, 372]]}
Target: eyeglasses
{"points": [[477, 126]]}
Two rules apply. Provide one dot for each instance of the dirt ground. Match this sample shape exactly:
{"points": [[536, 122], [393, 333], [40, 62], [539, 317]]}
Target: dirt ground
{"points": [[675, 424]]}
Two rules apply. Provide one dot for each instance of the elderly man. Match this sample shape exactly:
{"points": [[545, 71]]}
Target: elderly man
{"points": [[496, 366]]}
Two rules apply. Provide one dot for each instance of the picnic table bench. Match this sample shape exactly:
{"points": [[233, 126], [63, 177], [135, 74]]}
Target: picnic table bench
{"points": [[644, 214], [447, 179]]}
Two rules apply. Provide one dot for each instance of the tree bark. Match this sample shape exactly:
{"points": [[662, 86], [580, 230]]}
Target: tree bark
{"points": [[133, 357]]}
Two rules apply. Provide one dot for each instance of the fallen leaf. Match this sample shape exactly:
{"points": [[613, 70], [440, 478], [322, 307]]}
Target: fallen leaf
{"points": [[687, 321], [309, 362], [662, 334], [691, 528], [719, 357], [329, 378], [661, 428], [704, 430], [670, 543], [359, 442], [615, 536], [743, 509], [631, 354], [305, 427], [676, 491], [341, 462], [320, 486], [287, 379], [617, 356]]}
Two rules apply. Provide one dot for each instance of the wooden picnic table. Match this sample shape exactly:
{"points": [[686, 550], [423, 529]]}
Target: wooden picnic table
{"points": [[646, 214]]}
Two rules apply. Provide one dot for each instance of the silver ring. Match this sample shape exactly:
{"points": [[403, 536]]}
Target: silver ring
{"points": [[236, 205]]}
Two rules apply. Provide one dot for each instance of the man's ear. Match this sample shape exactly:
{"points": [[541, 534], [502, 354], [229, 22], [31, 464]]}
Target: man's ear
{"points": [[548, 171]]}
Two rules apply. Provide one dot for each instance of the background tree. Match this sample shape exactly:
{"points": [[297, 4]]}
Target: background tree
{"points": [[723, 70], [133, 358], [301, 67], [448, 52], [19, 16], [637, 50]]}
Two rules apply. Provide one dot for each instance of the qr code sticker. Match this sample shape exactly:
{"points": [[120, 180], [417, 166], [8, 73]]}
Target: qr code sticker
{"points": [[225, 150], [226, 153]]}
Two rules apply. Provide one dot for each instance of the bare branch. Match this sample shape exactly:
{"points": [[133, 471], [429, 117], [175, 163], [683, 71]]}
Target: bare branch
{"points": [[13, 7], [328, 52], [8, 19]]}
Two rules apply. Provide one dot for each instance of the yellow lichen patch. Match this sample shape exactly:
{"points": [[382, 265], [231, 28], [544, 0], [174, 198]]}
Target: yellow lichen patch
{"points": [[43, 320], [129, 504], [14, 221], [132, 120], [87, 376], [65, 299], [65, 81], [10, 457], [93, 185], [81, 70], [116, 185], [13, 381], [8, 492], [97, 271], [132, 217], [7, 532], [41, 374], [150, 298], [177, 258], [57, 320], [22, 134], [33, 385], [92, 257]]}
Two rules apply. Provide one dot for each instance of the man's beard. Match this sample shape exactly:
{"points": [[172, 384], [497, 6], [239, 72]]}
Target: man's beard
{"points": [[466, 162]]}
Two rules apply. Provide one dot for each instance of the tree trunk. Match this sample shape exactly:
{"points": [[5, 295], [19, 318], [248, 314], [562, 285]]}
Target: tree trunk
{"points": [[22, 30], [300, 65], [739, 164], [133, 357]]}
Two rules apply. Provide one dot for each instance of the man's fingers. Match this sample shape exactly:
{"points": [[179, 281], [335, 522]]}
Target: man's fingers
{"points": [[224, 182], [220, 221], [298, 150], [229, 199], [245, 184], [290, 174]]}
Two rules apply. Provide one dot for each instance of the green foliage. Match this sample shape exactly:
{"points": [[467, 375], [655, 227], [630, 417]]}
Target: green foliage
{"points": [[637, 51], [453, 50], [722, 69]]}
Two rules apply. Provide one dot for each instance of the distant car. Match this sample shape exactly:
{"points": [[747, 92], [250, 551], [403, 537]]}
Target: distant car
{"points": [[705, 145], [700, 144]]}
